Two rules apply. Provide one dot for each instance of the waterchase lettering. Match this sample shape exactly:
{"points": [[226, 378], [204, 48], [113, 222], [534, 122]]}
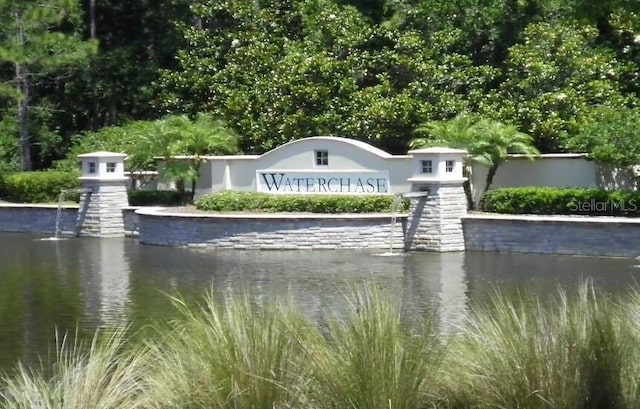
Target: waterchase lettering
{"points": [[324, 183]]}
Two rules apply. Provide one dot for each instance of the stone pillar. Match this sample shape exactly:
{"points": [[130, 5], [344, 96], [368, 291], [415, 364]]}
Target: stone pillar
{"points": [[437, 200], [104, 195]]}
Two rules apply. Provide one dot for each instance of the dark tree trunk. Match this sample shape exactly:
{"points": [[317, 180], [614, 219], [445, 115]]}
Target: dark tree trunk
{"points": [[23, 119], [22, 86], [94, 84], [181, 190], [467, 192], [23, 116], [466, 185], [92, 19], [489, 180], [194, 179]]}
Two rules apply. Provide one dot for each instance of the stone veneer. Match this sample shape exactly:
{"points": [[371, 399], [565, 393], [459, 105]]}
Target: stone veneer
{"points": [[130, 218], [576, 235], [269, 231], [41, 219], [589, 236], [100, 212], [38, 218], [434, 221]]}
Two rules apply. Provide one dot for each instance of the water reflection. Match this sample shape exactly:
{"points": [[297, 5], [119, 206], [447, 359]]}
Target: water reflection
{"points": [[105, 270], [92, 283]]}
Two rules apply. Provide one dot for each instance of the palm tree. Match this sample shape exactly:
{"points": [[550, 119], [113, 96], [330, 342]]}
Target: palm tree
{"points": [[205, 135], [456, 132], [178, 135], [496, 141], [488, 142]]}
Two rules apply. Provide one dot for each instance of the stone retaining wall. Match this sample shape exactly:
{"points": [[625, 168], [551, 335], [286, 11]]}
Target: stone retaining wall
{"points": [[576, 235], [36, 218], [130, 220], [269, 231], [589, 236]]}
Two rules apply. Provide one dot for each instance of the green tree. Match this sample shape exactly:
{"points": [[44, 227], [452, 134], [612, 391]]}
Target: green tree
{"points": [[38, 40], [137, 39], [125, 138], [611, 136], [459, 133], [553, 80], [9, 160], [486, 28], [281, 70], [495, 142], [145, 141], [179, 135], [487, 142]]}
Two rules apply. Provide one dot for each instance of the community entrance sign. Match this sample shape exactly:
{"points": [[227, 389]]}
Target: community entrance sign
{"points": [[323, 182]]}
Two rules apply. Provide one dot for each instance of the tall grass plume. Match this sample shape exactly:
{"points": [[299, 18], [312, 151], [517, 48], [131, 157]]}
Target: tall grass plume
{"points": [[230, 355], [525, 352], [371, 360], [103, 375]]}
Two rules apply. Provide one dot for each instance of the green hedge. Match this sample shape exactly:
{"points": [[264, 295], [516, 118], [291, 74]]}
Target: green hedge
{"points": [[37, 187], [154, 198], [262, 202], [545, 200]]}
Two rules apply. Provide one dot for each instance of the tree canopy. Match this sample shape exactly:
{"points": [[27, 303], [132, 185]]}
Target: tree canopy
{"points": [[38, 40], [279, 70]]}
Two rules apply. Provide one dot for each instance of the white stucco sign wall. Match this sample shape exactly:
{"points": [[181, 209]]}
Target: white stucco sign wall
{"points": [[349, 166], [322, 182]]}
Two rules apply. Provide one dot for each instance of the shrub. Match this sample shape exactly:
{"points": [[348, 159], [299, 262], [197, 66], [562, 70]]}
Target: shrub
{"points": [[37, 187], [2, 189], [154, 198], [546, 200], [261, 202]]}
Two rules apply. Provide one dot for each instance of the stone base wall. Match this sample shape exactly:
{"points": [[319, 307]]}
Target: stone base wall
{"points": [[130, 218], [38, 219], [41, 219], [293, 232], [588, 236], [434, 221], [575, 235], [100, 213]]}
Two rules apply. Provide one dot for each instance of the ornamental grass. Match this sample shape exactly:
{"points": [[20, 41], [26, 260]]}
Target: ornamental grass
{"points": [[103, 375], [578, 349], [574, 351], [370, 358], [232, 354]]}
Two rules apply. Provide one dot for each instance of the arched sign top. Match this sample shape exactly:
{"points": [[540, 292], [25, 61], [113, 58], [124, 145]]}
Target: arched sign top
{"points": [[324, 165], [355, 143]]}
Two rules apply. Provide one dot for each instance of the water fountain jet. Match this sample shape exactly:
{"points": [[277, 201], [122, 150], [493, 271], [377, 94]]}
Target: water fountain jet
{"points": [[394, 210], [61, 198]]}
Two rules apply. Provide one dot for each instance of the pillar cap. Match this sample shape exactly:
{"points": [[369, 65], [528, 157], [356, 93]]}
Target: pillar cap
{"points": [[439, 150], [435, 181], [102, 154], [103, 179]]}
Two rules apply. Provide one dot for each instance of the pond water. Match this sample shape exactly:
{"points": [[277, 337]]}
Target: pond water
{"points": [[91, 283]]}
